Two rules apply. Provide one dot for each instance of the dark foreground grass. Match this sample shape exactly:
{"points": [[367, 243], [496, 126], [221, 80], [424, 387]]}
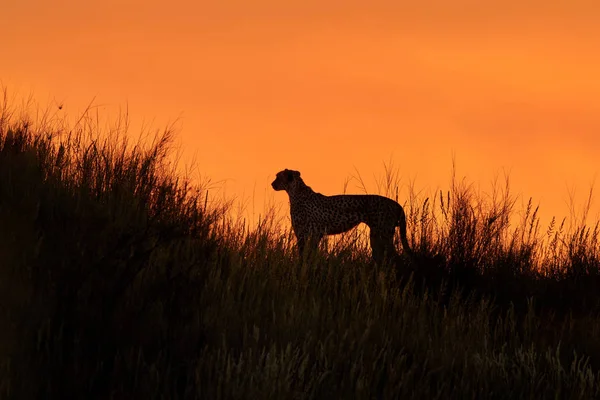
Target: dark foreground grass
{"points": [[120, 280]]}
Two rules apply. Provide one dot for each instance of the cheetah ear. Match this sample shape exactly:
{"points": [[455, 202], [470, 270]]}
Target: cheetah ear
{"points": [[291, 175]]}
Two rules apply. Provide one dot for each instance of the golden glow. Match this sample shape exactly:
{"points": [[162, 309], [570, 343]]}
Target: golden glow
{"points": [[329, 86]]}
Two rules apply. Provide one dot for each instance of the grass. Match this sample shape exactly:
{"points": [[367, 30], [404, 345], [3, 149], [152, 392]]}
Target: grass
{"points": [[120, 279]]}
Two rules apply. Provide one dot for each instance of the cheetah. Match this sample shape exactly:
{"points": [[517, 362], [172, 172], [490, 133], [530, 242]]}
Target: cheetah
{"points": [[315, 215]]}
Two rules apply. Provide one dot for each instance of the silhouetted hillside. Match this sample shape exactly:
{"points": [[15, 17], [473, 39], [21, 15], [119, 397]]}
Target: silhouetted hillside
{"points": [[119, 280]]}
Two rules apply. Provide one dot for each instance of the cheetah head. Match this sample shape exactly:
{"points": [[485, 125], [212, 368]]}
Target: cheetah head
{"points": [[286, 180]]}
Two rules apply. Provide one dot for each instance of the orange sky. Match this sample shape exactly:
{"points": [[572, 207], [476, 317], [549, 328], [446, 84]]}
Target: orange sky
{"points": [[329, 86]]}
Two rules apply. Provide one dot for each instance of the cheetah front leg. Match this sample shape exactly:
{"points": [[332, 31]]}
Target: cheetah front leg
{"points": [[307, 245]]}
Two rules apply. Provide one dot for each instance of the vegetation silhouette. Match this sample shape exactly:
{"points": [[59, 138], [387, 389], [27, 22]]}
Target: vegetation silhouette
{"points": [[120, 279]]}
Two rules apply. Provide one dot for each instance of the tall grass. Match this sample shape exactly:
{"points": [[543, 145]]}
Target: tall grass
{"points": [[119, 279]]}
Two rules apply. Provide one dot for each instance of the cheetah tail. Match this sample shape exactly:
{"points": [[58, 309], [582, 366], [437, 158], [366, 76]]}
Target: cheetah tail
{"points": [[403, 237]]}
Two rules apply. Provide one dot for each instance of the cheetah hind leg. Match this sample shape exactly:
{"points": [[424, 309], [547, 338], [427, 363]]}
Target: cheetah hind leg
{"points": [[382, 246]]}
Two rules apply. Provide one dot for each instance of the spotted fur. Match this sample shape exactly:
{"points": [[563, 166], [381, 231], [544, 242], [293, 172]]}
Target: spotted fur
{"points": [[315, 215]]}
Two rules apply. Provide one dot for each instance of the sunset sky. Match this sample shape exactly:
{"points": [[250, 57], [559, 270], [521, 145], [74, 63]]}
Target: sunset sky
{"points": [[333, 87]]}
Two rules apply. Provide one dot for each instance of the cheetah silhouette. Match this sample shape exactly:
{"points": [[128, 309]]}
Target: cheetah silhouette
{"points": [[315, 215]]}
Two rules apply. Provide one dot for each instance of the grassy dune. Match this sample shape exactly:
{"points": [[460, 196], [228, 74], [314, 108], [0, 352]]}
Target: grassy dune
{"points": [[118, 279]]}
